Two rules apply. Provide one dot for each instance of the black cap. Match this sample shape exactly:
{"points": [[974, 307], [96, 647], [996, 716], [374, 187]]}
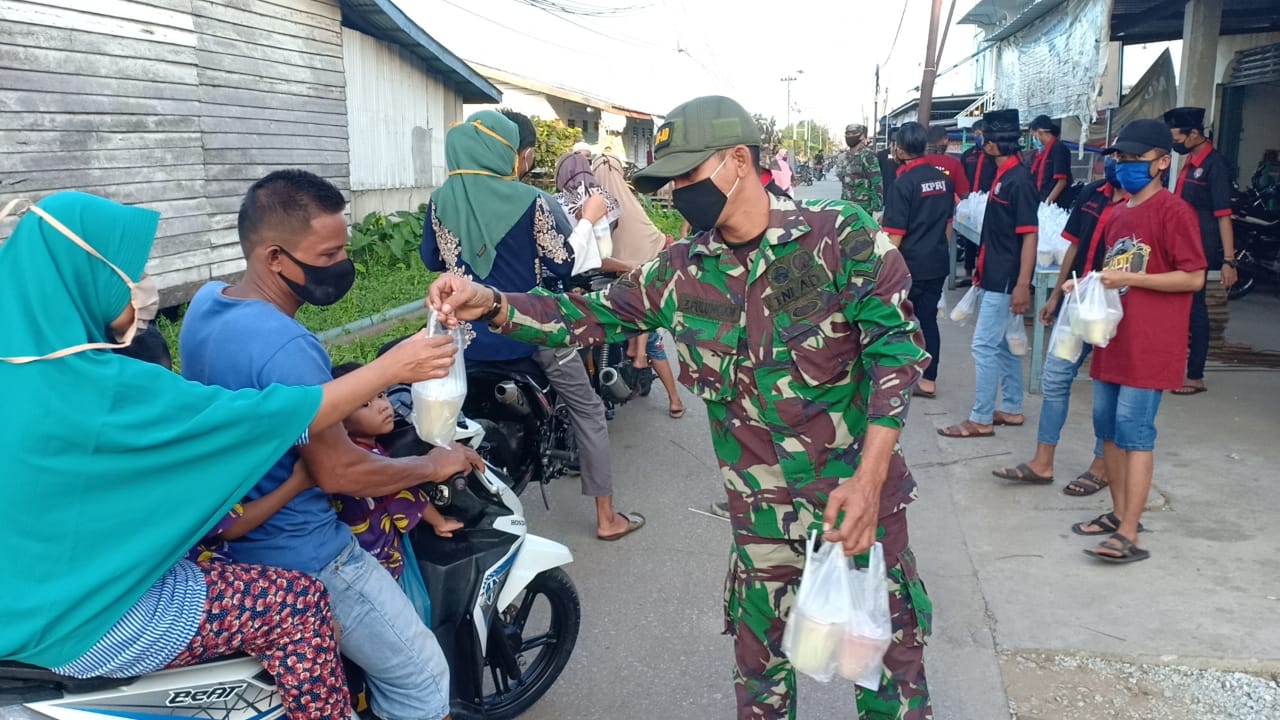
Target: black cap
{"points": [[1043, 122], [1002, 126], [1139, 136], [1185, 117]]}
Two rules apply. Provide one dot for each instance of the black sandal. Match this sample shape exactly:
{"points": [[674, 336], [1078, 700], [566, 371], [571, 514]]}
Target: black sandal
{"points": [[1086, 484], [1120, 544], [1107, 521]]}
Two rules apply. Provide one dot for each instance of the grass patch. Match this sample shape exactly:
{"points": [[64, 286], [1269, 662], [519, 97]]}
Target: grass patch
{"points": [[363, 349]]}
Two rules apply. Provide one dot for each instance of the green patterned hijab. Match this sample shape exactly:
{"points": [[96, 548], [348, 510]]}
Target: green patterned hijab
{"points": [[111, 468], [482, 199]]}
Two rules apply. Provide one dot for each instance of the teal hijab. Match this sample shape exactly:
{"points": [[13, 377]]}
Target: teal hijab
{"points": [[110, 468], [482, 199]]}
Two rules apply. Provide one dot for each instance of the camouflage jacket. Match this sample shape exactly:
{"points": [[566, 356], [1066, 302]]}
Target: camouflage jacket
{"points": [[859, 176], [793, 355]]}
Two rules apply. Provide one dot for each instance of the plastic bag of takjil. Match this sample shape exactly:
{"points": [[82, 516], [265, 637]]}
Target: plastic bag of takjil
{"points": [[437, 403]]}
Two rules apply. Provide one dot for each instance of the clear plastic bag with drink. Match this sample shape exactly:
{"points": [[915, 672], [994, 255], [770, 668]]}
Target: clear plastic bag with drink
{"points": [[437, 403], [1098, 311]]}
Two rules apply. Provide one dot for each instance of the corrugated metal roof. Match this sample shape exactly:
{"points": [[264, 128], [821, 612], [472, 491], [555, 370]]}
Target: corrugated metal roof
{"points": [[1144, 21], [383, 20], [1023, 20]]}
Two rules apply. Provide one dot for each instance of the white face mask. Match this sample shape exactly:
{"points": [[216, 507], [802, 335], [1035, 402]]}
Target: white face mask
{"points": [[144, 296]]}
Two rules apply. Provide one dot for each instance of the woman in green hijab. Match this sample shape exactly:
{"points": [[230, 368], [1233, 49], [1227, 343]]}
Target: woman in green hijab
{"points": [[114, 468]]}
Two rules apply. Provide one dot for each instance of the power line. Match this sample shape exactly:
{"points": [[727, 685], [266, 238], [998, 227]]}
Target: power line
{"points": [[583, 10], [894, 44], [473, 13]]}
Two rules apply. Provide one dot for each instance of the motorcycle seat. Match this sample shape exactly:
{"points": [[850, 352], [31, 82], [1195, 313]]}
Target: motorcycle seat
{"points": [[15, 675]]}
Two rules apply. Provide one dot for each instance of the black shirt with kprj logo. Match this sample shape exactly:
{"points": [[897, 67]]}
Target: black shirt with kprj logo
{"points": [[1205, 183], [918, 208], [1012, 211]]}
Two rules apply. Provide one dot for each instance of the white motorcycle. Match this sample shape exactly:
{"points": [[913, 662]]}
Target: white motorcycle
{"points": [[503, 610]]}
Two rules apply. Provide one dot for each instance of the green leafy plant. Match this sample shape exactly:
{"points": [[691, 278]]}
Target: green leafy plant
{"points": [[387, 240], [667, 220], [554, 140]]}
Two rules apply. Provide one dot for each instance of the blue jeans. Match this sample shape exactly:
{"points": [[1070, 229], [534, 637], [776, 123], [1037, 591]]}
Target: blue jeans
{"points": [[382, 633], [1056, 385], [1125, 415], [996, 369]]}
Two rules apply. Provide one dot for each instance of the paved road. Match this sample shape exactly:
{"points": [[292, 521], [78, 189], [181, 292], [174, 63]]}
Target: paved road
{"points": [[1000, 562]]}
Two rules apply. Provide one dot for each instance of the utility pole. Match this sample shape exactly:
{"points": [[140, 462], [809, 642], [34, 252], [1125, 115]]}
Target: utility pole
{"points": [[788, 80], [930, 66]]}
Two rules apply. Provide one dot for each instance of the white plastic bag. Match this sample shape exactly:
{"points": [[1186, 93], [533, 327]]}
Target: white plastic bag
{"points": [[869, 629], [1015, 334], [967, 306], [437, 403], [1063, 343], [1098, 311], [942, 307], [816, 625]]}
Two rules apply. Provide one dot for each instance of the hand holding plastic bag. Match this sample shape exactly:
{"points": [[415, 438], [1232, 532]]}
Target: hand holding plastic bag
{"points": [[870, 627], [1064, 344], [1098, 311], [437, 403], [1015, 334]]}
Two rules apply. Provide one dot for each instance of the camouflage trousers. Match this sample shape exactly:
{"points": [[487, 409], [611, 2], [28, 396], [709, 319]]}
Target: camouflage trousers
{"points": [[764, 574]]}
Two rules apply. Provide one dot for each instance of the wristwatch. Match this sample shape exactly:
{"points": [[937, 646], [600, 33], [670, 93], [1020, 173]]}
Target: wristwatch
{"points": [[1230, 263], [493, 310]]}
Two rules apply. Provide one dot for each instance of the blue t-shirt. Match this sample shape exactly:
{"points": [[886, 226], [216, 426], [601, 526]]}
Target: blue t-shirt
{"points": [[537, 243], [251, 344]]}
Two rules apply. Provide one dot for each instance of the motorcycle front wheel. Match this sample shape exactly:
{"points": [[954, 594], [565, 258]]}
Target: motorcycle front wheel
{"points": [[1244, 284], [540, 629]]}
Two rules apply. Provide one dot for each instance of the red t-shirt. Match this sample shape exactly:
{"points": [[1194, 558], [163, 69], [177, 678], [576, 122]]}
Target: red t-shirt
{"points": [[954, 170], [1150, 347]]}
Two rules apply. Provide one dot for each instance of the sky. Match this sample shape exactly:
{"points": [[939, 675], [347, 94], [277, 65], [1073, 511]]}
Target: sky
{"points": [[654, 54]]}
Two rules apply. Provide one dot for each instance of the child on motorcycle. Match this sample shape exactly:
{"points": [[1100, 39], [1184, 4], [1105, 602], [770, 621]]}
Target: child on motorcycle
{"points": [[380, 523], [246, 516]]}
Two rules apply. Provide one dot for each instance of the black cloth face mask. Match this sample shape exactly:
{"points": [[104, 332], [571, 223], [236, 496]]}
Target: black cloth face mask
{"points": [[322, 284], [702, 202]]}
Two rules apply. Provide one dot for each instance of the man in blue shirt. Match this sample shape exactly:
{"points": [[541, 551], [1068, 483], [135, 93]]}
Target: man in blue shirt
{"points": [[293, 235], [535, 238]]}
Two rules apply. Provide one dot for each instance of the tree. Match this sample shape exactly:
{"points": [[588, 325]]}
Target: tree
{"points": [[793, 138], [554, 140], [769, 137]]}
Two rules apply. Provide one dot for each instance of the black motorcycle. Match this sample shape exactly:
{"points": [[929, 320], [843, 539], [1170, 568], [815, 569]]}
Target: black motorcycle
{"points": [[1257, 239], [612, 375]]}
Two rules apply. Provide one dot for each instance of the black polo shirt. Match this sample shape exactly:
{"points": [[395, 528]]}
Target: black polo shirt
{"points": [[888, 170], [979, 168], [1012, 211], [918, 207], [1050, 165], [1205, 183], [1082, 225]]}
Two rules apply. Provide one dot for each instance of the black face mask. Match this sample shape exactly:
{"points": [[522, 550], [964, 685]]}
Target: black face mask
{"points": [[1181, 148], [853, 140], [702, 202], [322, 284]]}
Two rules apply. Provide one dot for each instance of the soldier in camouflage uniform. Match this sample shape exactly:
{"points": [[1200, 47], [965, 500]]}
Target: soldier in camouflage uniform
{"points": [[793, 326], [859, 171]]}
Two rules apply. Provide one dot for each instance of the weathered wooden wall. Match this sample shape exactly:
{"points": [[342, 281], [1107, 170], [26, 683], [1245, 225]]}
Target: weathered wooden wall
{"points": [[178, 105]]}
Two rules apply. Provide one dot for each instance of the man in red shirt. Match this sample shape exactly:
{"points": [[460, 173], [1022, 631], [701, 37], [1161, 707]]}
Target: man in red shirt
{"points": [[1154, 257], [948, 164]]}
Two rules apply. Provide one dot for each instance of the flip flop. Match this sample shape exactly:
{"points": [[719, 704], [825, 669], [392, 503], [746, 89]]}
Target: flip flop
{"points": [[1085, 484], [998, 419], [1189, 390], [676, 414], [966, 429], [1128, 551], [917, 392], [635, 521], [1107, 521], [1023, 473]]}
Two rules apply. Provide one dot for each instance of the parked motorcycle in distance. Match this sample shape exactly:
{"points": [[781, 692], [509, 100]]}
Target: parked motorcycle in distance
{"points": [[1257, 241]]}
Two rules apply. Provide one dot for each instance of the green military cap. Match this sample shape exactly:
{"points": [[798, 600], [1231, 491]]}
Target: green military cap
{"points": [[855, 129], [693, 132]]}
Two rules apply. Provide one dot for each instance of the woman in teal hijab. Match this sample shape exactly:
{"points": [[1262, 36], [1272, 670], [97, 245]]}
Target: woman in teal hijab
{"points": [[113, 468]]}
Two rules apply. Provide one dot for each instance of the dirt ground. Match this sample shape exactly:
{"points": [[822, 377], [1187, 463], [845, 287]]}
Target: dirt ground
{"points": [[1046, 686]]}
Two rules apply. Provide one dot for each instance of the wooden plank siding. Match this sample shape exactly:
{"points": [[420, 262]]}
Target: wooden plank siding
{"points": [[176, 105]]}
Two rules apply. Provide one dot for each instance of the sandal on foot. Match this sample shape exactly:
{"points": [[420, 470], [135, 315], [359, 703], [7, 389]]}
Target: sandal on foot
{"points": [[1107, 521], [1189, 390], [675, 413], [635, 521], [1126, 551], [1086, 484], [966, 429], [917, 392], [1023, 473], [1002, 418]]}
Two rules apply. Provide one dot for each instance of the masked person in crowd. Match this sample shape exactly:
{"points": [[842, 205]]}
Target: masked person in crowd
{"points": [[487, 224], [100, 594], [293, 235], [794, 328], [859, 172], [885, 159], [1005, 266], [1084, 229], [1154, 256], [1051, 168], [1205, 183], [979, 168], [917, 213], [944, 161]]}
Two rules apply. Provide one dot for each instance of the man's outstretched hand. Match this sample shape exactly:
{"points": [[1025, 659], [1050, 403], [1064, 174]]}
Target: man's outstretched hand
{"points": [[457, 299]]}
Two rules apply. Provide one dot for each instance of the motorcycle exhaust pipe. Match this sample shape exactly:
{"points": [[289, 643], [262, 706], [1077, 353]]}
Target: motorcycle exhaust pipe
{"points": [[611, 380], [509, 395]]}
